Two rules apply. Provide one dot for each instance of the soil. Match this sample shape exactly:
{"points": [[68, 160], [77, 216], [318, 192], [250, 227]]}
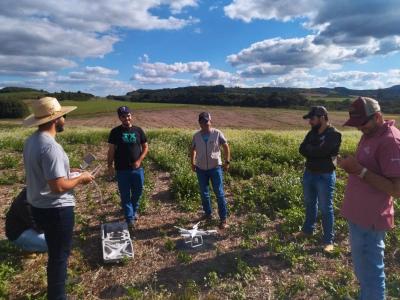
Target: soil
{"points": [[223, 117]]}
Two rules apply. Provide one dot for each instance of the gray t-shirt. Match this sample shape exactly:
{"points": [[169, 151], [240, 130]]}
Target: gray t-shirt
{"points": [[45, 159]]}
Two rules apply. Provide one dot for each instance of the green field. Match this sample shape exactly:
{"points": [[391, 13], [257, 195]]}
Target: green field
{"points": [[94, 107], [265, 201], [329, 98]]}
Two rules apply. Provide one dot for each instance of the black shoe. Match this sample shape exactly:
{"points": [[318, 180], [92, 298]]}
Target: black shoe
{"points": [[206, 217], [223, 224], [131, 226]]}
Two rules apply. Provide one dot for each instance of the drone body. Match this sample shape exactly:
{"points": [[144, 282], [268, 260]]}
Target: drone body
{"points": [[194, 236]]}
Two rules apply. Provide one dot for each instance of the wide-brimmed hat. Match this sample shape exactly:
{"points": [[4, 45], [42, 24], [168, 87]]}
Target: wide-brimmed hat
{"points": [[45, 110], [361, 110]]}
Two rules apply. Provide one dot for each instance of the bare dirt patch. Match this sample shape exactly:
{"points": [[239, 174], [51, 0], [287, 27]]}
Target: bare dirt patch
{"points": [[224, 117]]}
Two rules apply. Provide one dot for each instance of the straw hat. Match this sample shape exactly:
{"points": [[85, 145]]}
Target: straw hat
{"points": [[45, 110]]}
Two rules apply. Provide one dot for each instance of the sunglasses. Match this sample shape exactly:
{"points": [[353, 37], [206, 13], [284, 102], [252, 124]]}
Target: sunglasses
{"points": [[368, 119]]}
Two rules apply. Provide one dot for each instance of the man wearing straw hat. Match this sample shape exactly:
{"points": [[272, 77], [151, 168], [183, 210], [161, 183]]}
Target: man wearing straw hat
{"points": [[49, 188]]}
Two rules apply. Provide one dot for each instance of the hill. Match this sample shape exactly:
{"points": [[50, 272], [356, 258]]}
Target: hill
{"points": [[22, 93], [337, 98]]}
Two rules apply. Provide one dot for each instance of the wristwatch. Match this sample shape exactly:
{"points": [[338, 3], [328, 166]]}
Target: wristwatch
{"points": [[362, 173]]}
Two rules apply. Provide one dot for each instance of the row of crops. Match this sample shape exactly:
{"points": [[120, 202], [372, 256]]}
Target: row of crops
{"points": [[265, 172], [264, 195]]}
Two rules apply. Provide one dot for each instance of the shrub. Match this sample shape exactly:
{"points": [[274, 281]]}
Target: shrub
{"points": [[13, 109]]}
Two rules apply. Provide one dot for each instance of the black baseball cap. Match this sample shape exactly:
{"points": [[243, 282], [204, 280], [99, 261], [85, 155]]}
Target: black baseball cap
{"points": [[123, 110], [316, 111], [204, 116]]}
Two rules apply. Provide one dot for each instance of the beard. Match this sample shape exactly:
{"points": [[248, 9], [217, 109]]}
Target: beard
{"points": [[59, 127], [316, 127]]}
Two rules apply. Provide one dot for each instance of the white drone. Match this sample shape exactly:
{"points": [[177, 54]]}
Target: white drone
{"points": [[194, 236]]}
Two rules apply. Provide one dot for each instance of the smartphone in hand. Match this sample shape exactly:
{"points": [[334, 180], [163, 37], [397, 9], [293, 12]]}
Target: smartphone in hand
{"points": [[87, 161]]}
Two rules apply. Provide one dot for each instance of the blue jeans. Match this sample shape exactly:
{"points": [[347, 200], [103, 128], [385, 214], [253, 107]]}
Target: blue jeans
{"points": [[318, 190], [367, 252], [58, 225], [130, 185], [31, 241], [217, 181]]}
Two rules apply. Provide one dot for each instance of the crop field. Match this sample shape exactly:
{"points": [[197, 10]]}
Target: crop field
{"points": [[257, 257]]}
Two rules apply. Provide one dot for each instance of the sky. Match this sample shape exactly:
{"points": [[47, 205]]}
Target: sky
{"points": [[112, 47]]}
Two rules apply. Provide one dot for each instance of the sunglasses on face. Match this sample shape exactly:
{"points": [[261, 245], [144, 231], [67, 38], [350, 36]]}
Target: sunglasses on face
{"points": [[369, 119]]}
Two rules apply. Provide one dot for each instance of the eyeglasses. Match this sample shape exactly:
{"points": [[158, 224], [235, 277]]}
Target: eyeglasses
{"points": [[368, 119]]}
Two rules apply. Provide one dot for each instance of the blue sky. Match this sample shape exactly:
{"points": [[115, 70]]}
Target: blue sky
{"points": [[112, 47]]}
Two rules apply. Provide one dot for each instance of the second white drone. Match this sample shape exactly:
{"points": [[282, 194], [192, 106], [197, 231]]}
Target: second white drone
{"points": [[194, 236]]}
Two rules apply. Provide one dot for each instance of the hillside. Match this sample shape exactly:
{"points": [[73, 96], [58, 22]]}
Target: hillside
{"points": [[334, 99], [22, 93]]}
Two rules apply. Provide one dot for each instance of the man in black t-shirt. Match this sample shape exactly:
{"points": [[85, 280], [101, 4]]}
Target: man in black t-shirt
{"points": [[320, 148], [127, 149]]}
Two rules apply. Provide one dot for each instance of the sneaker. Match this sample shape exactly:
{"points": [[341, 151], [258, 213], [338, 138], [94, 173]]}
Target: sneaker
{"points": [[223, 224], [328, 248]]}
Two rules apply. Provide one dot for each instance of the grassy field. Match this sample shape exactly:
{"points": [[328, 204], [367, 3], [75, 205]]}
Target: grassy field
{"points": [[329, 98], [101, 106], [256, 258]]}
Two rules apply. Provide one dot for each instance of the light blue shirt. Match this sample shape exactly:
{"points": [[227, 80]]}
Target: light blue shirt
{"points": [[44, 160]]}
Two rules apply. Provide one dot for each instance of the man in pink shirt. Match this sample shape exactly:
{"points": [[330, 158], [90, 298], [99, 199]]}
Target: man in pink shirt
{"points": [[374, 179]]}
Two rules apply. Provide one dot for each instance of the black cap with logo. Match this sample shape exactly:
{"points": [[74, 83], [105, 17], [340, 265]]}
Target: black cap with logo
{"points": [[204, 117], [316, 111]]}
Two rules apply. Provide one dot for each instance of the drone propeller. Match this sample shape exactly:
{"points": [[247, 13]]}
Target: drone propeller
{"points": [[195, 226]]}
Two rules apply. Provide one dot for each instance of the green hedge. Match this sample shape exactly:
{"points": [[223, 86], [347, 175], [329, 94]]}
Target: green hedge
{"points": [[13, 109]]}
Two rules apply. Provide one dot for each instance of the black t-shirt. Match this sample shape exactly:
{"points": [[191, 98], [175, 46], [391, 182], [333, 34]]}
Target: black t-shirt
{"points": [[128, 145], [19, 217]]}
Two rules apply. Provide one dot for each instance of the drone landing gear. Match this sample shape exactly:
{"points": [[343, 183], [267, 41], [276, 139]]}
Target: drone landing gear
{"points": [[195, 241]]}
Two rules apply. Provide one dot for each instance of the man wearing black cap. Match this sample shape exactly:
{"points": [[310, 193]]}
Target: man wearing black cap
{"points": [[320, 148], [206, 162], [127, 149], [374, 179]]}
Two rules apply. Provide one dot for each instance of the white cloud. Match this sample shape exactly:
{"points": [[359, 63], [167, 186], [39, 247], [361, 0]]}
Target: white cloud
{"points": [[32, 65], [263, 70], [100, 71], [96, 80], [297, 78], [357, 80], [285, 10], [355, 22], [291, 54], [160, 69], [351, 79], [158, 80], [215, 76], [200, 73], [370, 27], [65, 30]]}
